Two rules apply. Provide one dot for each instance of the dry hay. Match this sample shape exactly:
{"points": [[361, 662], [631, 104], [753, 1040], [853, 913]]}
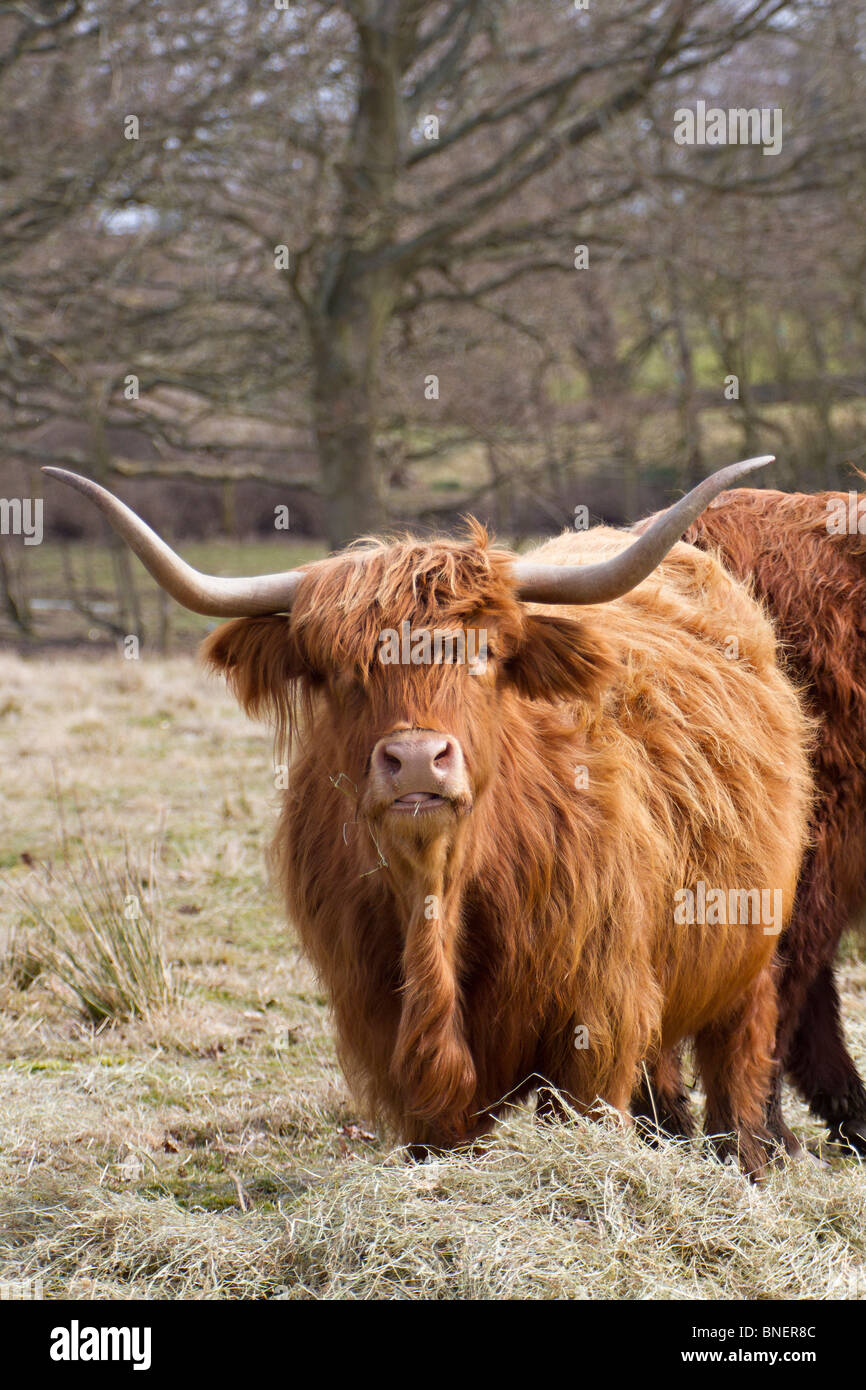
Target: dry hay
{"points": [[577, 1211]]}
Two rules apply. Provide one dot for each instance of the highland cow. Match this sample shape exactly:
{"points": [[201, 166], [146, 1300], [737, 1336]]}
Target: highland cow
{"points": [[805, 557], [483, 860]]}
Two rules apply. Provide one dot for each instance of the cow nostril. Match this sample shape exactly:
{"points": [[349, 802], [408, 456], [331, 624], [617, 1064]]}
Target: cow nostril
{"points": [[443, 756], [392, 763]]}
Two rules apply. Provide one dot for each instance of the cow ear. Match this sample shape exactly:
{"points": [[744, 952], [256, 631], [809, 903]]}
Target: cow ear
{"points": [[260, 660], [560, 658]]}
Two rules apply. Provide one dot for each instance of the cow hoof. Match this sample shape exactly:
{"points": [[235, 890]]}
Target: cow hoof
{"points": [[851, 1135], [786, 1139], [755, 1152], [805, 1155]]}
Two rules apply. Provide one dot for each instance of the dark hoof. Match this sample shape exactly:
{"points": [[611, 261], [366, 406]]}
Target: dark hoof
{"points": [[755, 1152], [786, 1139], [851, 1135], [654, 1133], [668, 1119], [418, 1153]]}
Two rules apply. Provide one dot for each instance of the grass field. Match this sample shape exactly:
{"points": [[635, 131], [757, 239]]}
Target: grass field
{"points": [[57, 577], [212, 1149]]}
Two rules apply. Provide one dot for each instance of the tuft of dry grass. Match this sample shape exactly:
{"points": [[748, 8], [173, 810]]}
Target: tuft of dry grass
{"points": [[92, 928]]}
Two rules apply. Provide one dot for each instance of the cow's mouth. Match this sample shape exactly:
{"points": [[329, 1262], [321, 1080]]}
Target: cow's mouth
{"points": [[418, 803]]}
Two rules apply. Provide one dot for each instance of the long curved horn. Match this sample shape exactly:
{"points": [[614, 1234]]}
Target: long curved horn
{"points": [[610, 579], [201, 593]]}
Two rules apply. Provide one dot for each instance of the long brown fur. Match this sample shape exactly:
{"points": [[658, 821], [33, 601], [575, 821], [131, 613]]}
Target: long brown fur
{"points": [[459, 964], [813, 585]]}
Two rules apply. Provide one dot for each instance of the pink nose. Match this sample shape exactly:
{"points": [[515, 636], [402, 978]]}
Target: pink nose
{"points": [[416, 760]]}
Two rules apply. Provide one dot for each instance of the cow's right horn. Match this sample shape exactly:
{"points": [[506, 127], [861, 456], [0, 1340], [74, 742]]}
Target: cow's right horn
{"points": [[201, 593]]}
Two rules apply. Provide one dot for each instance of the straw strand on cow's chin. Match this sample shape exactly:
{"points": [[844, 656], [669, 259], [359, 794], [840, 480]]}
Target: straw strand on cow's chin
{"points": [[337, 779], [383, 862]]}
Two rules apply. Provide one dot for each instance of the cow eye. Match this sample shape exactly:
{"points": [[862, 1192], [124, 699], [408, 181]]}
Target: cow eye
{"points": [[347, 686]]}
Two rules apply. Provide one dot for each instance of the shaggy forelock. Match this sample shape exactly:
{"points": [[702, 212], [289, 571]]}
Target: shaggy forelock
{"points": [[345, 604]]}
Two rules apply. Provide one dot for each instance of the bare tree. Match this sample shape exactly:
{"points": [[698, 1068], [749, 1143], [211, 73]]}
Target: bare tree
{"points": [[281, 222]]}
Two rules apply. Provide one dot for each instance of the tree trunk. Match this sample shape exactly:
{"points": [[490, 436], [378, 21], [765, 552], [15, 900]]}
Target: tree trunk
{"points": [[687, 393], [14, 595], [356, 291], [345, 413]]}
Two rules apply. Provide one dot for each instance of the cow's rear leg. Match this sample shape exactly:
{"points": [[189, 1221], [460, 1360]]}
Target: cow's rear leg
{"points": [[775, 1120], [811, 1039], [821, 1067], [662, 1102], [665, 1106], [735, 1059]]}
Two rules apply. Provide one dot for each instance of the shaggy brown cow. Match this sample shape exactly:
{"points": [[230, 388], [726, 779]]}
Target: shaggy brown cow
{"points": [[491, 864], [806, 558]]}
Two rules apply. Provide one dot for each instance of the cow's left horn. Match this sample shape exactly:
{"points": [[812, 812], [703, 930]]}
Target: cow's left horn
{"points": [[609, 579], [201, 593]]}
